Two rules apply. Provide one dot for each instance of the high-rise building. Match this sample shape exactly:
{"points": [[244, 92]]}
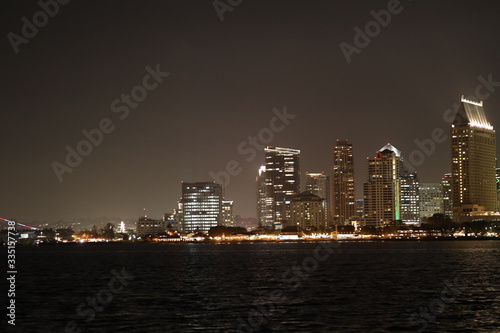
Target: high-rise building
{"points": [[342, 207], [382, 191], [264, 213], [473, 154], [447, 194], [498, 188], [431, 200], [201, 206], [306, 211], [360, 208], [121, 228], [227, 213], [319, 184], [410, 211], [280, 179]]}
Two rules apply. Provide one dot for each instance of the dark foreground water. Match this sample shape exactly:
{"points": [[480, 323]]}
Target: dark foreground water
{"points": [[446, 286]]}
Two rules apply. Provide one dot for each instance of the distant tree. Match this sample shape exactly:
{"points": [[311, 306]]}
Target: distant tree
{"points": [[478, 227], [369, 230], [94, 233], [291, 228], [218, 231], [108, 232], [49, 233], [440, 222], [390, 229], [66, 234]]}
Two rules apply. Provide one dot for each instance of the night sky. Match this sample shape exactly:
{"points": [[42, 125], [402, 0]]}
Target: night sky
{"points": [[225, 79]]}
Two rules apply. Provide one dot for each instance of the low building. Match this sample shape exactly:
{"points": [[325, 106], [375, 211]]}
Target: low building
{"points": [[149, 227]]}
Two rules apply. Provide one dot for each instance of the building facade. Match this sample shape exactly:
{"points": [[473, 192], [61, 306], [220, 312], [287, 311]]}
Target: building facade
{"points": [[307, 211], [146, 227], [343, 196], [446, 183], [473, 157], [431, 200], [319, 184], [280, 180], [410, 210], [498, 188], [264, 212], [382, 190], [360, 209], [201, 206], [227, 213]]}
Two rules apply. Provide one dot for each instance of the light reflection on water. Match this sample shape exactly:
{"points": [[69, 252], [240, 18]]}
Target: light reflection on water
{"points": [[366, 287]]}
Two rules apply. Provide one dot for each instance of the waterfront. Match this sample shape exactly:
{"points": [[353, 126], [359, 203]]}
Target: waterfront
{"points": [[355, 287]]}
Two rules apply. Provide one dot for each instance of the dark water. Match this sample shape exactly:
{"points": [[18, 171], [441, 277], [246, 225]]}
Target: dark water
{"points": [[447, 286]]}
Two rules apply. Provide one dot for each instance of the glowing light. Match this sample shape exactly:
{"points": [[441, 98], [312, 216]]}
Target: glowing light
{"points": [[23, 225], [475, 114], [480, 103]]}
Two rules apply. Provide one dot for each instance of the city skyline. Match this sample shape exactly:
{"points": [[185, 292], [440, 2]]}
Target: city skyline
{"points": [[211, 85], [250, 166]]}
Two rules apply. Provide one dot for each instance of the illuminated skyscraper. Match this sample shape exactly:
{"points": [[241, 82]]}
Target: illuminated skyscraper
{"points": [[360, 208], [201, 206], [410, 212], [342, 183], [382, 190], [473, 152], [431, 200], [319, 184], [498, 188], [263, 211], [281, 180], [447, 194], [227, 213]]}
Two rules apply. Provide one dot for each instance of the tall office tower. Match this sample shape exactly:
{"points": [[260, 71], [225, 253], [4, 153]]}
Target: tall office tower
{"points": [[227, 213], [342, 207], [360, 208], [498, 188], [319, 184], [410, 211], [431, 200], [382, 190], [446, 192], [473, 152], [263, 212], [281, 180], [306, 211], [201, 206]]}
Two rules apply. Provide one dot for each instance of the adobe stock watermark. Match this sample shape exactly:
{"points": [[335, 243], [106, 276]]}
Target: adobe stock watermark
{"points": [[120, 106], [427, 146], [222, 6], [428, 314], [372, 29], [292, 279], [252, 144], [86, 311], [29, 29]]}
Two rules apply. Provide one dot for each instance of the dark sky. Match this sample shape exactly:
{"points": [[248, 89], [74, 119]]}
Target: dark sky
{"points": [[225, 79]]}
